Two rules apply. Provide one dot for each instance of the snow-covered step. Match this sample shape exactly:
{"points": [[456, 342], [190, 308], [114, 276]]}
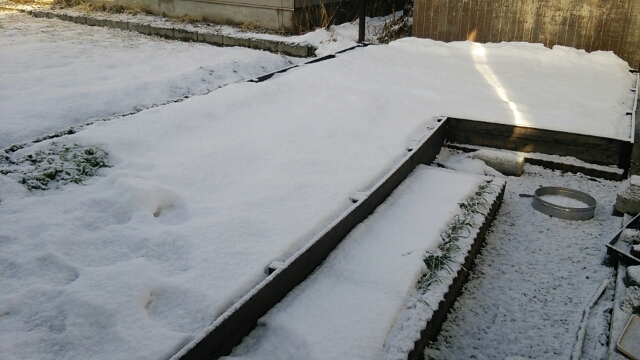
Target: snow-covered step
{"points": [[347, 308]]}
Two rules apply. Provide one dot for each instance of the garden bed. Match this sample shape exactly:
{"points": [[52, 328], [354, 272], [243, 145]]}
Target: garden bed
{"points": [[382, 281], [203, 195]]}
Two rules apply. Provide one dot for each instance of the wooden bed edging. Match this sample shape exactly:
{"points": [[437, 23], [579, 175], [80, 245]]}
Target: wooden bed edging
{"points": [[592, 149], [606, 175], [553, 165], [434, 325], [231, 327]]}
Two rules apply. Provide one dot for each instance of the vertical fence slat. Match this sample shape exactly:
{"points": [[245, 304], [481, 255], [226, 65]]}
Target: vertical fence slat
{"points": [[584, 24]]}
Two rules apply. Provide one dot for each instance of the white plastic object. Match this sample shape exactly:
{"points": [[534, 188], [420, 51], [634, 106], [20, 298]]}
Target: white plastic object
{"points": [[506, 162]]}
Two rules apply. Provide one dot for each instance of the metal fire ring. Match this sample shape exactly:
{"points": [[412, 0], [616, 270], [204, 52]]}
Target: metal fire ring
{"points": [[564, 212]]}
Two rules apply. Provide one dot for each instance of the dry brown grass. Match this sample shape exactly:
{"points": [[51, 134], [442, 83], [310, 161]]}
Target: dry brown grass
{"points": [[85, 6], [250, 26], [185, 19], [66, 3], [32, 2], [254, 27], [395, 29], [310, 18]]}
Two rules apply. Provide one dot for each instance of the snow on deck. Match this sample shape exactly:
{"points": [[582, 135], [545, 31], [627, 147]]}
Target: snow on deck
{"points": [[57, 74], [347, 307], [204, 194]]}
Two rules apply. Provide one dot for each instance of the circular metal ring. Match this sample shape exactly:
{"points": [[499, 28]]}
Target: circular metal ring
{"points": [[564, 212]]}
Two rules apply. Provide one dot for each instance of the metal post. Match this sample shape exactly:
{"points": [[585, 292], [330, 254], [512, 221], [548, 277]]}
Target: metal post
{"points": [[363, 17]]}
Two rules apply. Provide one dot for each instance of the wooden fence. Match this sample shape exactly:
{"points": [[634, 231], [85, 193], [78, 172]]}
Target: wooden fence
{"points": [[584, 24]]}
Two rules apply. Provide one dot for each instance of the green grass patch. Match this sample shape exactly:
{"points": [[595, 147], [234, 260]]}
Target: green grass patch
{"points": [[441, 259], [55, 166]]}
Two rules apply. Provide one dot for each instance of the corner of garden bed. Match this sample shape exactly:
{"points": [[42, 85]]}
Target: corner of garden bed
{"points": [[426, 309]]}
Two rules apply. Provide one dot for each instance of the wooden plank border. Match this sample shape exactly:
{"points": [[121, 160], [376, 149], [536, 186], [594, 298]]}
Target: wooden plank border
{"points": [[434, 325], [553, 165], [592, 149], [238, 321]]}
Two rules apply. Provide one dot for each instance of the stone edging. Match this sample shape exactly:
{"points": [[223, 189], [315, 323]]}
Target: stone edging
{"points": [[602, 173], [280, 47]]}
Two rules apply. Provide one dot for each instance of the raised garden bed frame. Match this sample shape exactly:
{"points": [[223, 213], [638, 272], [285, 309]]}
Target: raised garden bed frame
{"points": [[230, 328]]}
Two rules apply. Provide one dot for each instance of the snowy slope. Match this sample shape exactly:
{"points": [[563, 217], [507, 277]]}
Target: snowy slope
{"points": [[56, 74]]}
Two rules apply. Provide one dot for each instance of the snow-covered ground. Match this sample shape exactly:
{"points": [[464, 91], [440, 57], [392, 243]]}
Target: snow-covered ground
{"points": [[204, 194], [326, 41], [525, 299], [55, 74], [534, 277], [346, 308]]}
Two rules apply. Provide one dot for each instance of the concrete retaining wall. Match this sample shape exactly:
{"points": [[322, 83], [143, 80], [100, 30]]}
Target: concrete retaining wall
{"points": [[280, 47], [269, 14]]}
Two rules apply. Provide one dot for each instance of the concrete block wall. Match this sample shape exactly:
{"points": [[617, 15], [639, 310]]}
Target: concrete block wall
{"points": [[282, 47], [268, 14]]}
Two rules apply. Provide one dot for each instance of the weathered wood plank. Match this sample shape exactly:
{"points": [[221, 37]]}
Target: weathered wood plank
{"points": [[607, 175], [595, 156], [612, 25], [555, 165], [511, 131]]}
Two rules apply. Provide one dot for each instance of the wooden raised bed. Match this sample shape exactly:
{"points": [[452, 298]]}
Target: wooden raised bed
{"points": [[237, 322], [591, 149], [230, 328]]}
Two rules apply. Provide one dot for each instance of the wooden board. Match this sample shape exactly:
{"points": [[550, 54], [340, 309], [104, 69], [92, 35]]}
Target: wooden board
{"points": [[520, 132], [553, 165], [610, 25], [629, 342], [592, 149]]}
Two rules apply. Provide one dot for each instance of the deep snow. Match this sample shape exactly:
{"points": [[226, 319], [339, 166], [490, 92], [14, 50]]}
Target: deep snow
{"points": [[204, 194], [57, 74]]}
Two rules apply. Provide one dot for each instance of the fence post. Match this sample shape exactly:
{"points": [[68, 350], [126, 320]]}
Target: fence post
{"points": [[363, 17]]}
